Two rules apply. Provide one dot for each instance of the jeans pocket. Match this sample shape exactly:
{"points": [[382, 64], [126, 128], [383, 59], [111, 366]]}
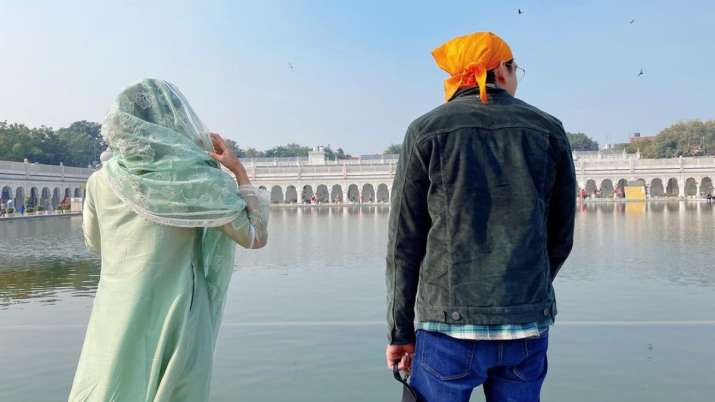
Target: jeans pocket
{"points": [[444, 357], [534, 365]]}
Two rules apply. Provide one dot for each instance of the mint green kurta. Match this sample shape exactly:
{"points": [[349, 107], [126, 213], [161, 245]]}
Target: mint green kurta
{"points": [[153, 327]]}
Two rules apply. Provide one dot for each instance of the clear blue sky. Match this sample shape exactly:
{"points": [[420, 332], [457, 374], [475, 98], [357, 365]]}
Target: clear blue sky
{"points": [[363, 69]]}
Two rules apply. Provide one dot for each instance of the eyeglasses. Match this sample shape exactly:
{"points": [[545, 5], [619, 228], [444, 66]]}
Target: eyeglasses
{"points": [[520, 72]]}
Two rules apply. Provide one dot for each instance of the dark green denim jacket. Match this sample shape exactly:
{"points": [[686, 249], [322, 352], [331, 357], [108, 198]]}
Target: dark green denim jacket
{"points": [[482, 215]]}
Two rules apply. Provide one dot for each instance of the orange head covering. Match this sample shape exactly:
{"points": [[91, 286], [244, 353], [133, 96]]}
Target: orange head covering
{"points": [[468, 58]]}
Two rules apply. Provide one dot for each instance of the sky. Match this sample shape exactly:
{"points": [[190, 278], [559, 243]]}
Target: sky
{"points": [[362, 70]]}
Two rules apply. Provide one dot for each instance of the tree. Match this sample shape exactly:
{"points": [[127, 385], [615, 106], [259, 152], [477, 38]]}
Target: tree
{"points": [[582, 142], [341, 154], [253, 153], [235, 148], [83, 141], [288, 150], [393, 149], [687, 138], [329, 153], [77, 145]]}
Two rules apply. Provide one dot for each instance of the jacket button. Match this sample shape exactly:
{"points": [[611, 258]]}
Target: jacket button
{"points": [[546, 312], [456, 316]]}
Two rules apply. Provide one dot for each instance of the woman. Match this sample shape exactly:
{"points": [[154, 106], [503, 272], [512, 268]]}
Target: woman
{"points": [[163, 217]]}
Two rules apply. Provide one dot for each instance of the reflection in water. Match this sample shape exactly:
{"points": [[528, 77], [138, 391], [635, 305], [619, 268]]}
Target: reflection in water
{"points": [[671, 241], [43, 257], [44, 279], [326, 264]]}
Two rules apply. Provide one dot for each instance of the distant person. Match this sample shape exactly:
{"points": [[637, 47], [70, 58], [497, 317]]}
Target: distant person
{"points": [[482, 219], [164, 218]]}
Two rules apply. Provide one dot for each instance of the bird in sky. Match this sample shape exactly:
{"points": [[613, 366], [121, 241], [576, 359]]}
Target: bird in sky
{"points": [[519, 11], [641, 73], [632, 20], [291, 66]]}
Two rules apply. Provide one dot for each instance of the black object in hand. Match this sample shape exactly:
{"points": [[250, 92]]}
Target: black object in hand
{"points": [[408, 394]]}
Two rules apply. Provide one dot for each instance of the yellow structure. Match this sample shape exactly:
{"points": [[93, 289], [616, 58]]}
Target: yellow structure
{"points": [[635, 193]]}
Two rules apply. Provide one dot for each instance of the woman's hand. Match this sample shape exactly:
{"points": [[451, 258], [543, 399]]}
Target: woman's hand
{"points": [[226, 157]]}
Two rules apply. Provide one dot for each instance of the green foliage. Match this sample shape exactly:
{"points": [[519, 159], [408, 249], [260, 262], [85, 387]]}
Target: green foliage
{"points": [[393, 149], [686, 138], [582, 142], [289, 150], [77, 145], [81, 143], [338, 154], [235, 148]]}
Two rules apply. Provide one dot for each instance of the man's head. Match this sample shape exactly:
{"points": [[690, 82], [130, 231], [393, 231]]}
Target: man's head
{"points": [[504, 76], [471, 59]]}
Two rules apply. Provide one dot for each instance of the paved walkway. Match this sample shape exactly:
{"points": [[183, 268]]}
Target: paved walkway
{"points": [[38, 216]]}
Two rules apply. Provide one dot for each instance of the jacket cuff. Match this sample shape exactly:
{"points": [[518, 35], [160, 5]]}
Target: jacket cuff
{"points": [[401, 337]]}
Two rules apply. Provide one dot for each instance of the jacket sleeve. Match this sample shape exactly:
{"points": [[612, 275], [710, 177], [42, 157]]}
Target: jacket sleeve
{"points": [[562, 208], [250, 229], [409, 224], [90, 223]]}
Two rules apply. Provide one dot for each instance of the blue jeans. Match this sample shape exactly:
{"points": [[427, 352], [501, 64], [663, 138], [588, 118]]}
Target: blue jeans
{"points": [[446, 369]]}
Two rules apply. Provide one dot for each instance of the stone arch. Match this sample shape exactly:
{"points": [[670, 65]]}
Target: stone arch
{"points": [[262, 188], [45, 198], [77, 193], [672, 189], [56, 198], [68, 192], [322, 195], [291, 195], [621, 188], [591, 187], [34, 198], [306, 193], [353, 193], [691, 187], [607, 188], [5, 194], [336, 193], [19, 197], [706, 186], [368, 193], [276, 195], [383, 193], [656, 188]]}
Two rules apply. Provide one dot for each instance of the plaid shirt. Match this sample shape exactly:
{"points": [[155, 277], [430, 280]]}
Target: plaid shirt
{"points": [[488, 332]]}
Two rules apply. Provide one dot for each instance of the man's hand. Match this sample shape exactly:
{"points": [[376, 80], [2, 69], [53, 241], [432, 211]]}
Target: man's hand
{"points": [[226, 157], [401, 353]]}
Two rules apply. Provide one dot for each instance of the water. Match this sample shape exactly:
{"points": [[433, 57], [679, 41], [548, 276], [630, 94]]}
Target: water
{"points": [[304, 320]]}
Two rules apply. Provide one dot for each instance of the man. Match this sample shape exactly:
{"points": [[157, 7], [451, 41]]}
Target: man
{"points": [[481, 222]]}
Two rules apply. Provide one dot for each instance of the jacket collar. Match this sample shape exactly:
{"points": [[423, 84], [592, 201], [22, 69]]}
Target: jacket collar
{"points": [[474, 91]]}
